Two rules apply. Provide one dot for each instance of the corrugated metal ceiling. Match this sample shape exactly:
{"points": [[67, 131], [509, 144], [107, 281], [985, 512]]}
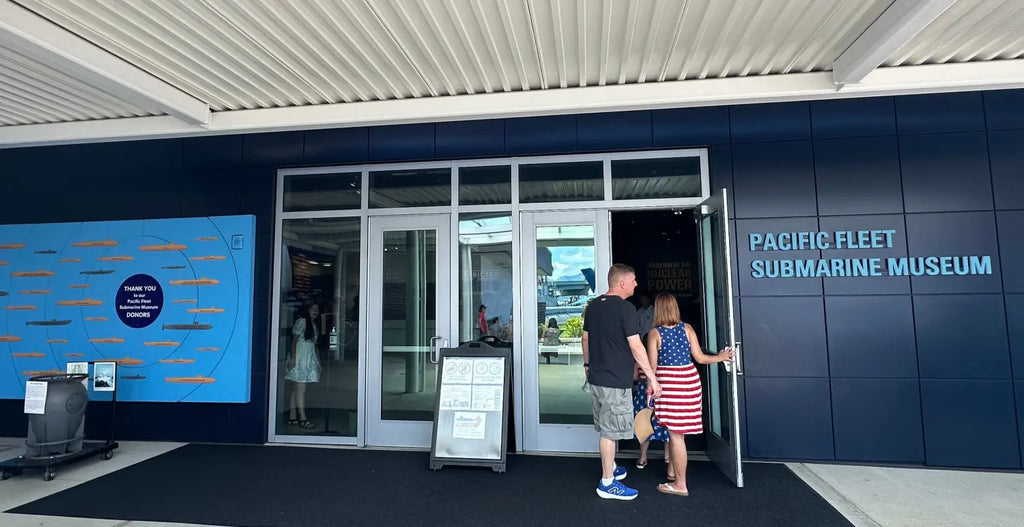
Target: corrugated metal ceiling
{"points": [[246, 54]]}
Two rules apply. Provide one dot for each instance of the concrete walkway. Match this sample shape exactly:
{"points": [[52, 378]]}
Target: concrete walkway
{"points": [[867, 496]]}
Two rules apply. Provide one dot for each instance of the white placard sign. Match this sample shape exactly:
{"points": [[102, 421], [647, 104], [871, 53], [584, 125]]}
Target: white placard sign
{"points": [[457, 371], [80, 367], [455, 397], [487, 398], [488, 371], [35, 397], [469, 425]]}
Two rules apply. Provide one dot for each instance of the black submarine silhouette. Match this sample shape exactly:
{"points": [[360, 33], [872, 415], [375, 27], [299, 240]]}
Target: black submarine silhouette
{"points": [[133, 377], [47, 251], [194, 325], [3, 293], [51, 322], [172, 267], [101, 271]]}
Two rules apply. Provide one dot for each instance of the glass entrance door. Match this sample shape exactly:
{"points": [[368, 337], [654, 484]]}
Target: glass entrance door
{"points": [[720, 331], [408, 320], [565, 260]]}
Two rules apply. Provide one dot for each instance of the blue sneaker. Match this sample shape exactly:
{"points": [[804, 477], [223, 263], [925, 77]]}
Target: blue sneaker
{"points": [[620, 473], [616, 491]]}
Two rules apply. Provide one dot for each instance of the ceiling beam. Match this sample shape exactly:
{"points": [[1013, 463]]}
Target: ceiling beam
{"points": [[48, 43], [904, 80], [892, 30]]}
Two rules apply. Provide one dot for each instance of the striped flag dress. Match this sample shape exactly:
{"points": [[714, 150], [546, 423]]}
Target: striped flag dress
{"points": [[679, 407]]}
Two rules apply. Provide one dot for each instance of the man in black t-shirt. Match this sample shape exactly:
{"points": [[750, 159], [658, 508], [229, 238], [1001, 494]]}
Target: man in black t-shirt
{"points": [[611, 344]]}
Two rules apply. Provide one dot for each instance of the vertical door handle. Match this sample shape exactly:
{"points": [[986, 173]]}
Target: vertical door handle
{"points": [[435, 351]]}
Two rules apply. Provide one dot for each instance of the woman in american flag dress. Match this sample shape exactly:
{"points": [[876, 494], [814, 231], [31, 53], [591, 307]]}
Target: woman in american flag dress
{"points": [[672, 346]]}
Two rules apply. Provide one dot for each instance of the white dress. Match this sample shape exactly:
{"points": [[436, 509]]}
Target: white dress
{"points": [[307, 364]]}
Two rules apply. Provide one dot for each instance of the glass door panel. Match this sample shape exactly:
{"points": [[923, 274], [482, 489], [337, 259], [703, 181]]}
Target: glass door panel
{"points": [[719, 330], [563, 256], [409, 320]]}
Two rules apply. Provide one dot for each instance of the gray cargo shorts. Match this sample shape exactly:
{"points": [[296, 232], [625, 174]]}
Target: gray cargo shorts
{"points": [[613, 411]]}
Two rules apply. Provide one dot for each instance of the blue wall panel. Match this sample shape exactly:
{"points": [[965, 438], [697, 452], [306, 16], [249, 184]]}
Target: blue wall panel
{"points": [[785, 121], [773, 179], [685, 127], [541, 135], [853, 117], [280, 149], [466, 139], [961, 337], [946, 172], [1007, 151], [205, 153], [614, 131], [1004, 109], [970, 424], [789, 418], [955, 234], [1011, 249], [336, 146], [871, 336], [160, 155], [401, 143], [784, 337], [858, 176], [940, 112], [1015, 321], [877, 420], [867, 285], [766, 285]]}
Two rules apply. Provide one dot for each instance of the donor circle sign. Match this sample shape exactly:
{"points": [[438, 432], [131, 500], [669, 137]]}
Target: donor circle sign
{"points": [[139, 301]]}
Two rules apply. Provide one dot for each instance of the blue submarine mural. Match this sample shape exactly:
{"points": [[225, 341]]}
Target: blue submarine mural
{"points": [[168, 300]]}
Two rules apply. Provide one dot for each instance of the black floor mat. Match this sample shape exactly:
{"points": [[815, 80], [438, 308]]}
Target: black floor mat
{"points": [[292, 486]]}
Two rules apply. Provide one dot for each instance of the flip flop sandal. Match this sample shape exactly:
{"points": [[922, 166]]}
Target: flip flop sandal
{"points": [[306, 424], [640, 465], [667, 488]]}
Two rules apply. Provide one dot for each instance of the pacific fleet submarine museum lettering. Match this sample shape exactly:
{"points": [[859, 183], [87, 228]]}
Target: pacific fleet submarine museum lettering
{"points": [[850, 267]]}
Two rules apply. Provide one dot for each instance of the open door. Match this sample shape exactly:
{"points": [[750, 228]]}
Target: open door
{"points": [[722, 398]]}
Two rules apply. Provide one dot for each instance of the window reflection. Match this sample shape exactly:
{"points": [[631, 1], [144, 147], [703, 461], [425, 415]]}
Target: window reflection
{"points": [[318, 353], [565, 283], [485, 277]]}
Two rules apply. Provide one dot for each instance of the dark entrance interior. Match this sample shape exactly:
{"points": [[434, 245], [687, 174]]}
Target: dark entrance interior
{"points": [[664, 248]]}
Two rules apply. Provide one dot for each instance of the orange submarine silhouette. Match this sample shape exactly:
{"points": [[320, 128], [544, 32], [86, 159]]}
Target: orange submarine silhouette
{"points": [[121, 258], [35, 292], [12, 246], [102, 243], [96, 319], [79, 286], [107, 340], [10, 338], [189, 301], [86, 302], [36, 373], [74, 354], [207, 258], [20, 308], [176, 361], [57, 341], [198, 379], [32, 274], [206, 310], [28, 355], [198, 281], [165, 247], [208, 348], [69, 260], [126, 361], [207, 239], [162, 343]]}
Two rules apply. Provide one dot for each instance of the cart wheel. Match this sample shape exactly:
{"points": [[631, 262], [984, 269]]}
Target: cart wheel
{"points": [[5, 475], [108, 454], [49, 474]]}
